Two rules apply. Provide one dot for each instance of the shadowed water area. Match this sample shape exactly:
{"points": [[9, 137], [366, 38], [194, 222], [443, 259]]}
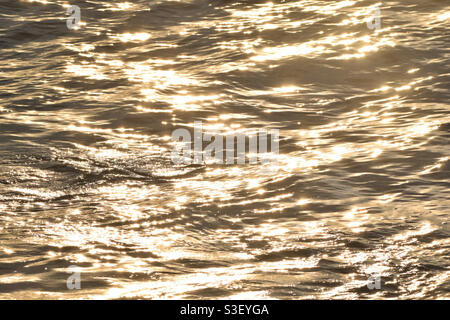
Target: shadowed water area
{"points": [[361, 185]]}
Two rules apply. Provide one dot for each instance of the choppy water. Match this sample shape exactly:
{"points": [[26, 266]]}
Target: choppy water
{"points": [[363, 182]]}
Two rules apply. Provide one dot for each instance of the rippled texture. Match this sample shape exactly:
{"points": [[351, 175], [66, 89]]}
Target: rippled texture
{"points": [[86, 179]]}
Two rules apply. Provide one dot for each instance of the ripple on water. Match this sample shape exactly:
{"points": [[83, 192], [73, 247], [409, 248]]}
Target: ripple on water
{"points": [[361, 183]]}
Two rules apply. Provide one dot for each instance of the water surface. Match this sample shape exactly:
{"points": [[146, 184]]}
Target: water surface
{"points": [[362, 183]]}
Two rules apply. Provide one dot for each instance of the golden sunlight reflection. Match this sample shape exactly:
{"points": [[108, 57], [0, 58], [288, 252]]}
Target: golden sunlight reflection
{"points": [[330, 8], [88, 71], [121, 6], [360, 45], [358, 185], [162, 79], [132, 37]]}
